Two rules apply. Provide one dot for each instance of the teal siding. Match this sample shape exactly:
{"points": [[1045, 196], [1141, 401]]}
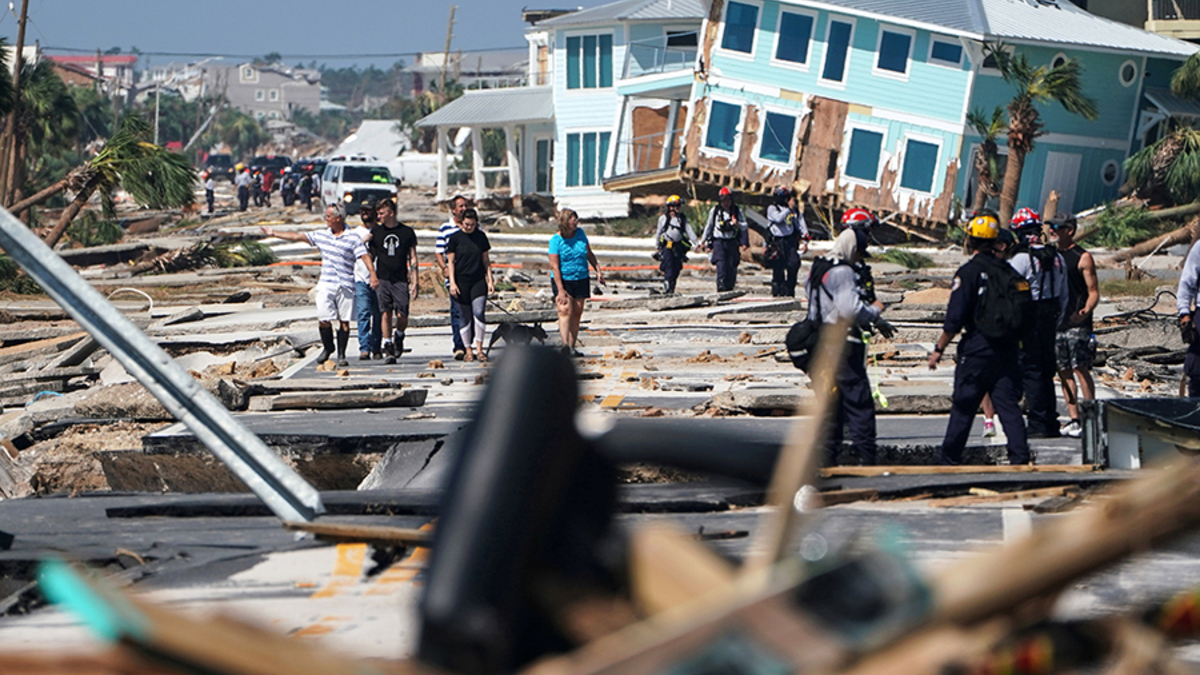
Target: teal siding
{"points": [[583, 110], [895, 139], [942, 88], [1090, 189]]}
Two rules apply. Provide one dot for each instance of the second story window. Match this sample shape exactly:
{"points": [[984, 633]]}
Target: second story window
{"points": [[837, 50], [589, 61], [795, 34], [740, 21], [894, 48]]}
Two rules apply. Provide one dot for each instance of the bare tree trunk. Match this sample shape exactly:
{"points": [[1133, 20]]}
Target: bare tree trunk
{"points": [[1183, 235], [73, 210], [19, 184], [1012, 184], [40, 196], [983, 189]]}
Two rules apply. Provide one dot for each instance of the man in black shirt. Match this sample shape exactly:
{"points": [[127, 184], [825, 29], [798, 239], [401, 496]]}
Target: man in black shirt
{"points": [[983, 365], [1076, 343], [394, 248]]}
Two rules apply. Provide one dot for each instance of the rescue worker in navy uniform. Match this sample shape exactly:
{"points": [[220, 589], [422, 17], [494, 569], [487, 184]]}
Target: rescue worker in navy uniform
{"points": [[982, 366], [1185, 302], [726, 234], [675, 238], [1046, 271], [843, 290], [789, 233]]}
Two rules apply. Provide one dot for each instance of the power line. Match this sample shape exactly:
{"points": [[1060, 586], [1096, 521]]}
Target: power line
{"points": [[213, 55]]}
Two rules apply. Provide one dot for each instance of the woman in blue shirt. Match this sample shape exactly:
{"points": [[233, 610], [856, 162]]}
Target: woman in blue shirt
{"points": [[570, 255]]}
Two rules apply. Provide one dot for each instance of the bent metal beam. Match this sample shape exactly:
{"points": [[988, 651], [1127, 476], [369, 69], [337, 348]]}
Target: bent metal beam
{"points": [[288, 495]]}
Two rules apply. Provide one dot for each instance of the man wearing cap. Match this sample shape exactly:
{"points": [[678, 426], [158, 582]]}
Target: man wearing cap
{"points": [[788, 233], [675, 238], [366, 302], [983, 365], [726, 234], [242, 181], [1046, 272], [1075, 345], [837, 290]]}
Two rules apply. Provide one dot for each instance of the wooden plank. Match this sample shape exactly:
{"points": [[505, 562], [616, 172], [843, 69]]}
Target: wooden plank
{"points": [[41, 347], [834, 497], [75, 355], [272, 386], [48, 375], [968, 500], [669, 568], [847, 471], [338, 400], [13, 337], [370, 534]]}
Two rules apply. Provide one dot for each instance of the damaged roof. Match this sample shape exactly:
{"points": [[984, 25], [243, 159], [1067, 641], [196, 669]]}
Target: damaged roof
{"points": [[630, 10], [1052, 21]]}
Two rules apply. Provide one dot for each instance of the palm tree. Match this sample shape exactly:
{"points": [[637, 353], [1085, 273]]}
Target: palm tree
{"points": [[153, 176], [986, 163], [1040, 84], [48, 122], [1169, 170]]}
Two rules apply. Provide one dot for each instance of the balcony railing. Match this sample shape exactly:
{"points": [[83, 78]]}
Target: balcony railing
{"points": [[669, 53], [1174, 10], [645, 153]]}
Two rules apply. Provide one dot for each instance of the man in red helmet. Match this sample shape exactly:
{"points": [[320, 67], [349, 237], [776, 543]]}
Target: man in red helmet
{"points": [[726, 234]]}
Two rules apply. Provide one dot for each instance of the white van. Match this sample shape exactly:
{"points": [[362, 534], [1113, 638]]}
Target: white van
{"points": [[350, 181]]}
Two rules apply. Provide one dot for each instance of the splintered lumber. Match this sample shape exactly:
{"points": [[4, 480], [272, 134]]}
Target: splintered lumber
{"points": [[370, 534], [669, 568], [75, 355], [834, 497], [337, 400], [272, 386], [214, 645], [29, 350], [1039, 493], [861, 471], [1183, 235]]}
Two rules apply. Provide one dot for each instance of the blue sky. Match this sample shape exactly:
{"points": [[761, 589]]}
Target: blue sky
{"points": [[256, 27]]}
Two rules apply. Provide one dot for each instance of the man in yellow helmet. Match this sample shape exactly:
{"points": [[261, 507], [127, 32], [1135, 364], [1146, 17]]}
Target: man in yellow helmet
{"points": [[989, 303], [674, 238]]}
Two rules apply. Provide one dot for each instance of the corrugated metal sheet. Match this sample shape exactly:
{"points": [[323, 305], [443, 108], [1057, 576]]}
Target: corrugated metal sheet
{"points": [[494, 107], [1054, 21], [1172, 104], [629, 10]]}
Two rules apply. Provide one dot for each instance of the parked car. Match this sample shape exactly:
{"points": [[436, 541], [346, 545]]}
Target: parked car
{"points": [[352, 181], [313, 165], [220, 166], [272, 163]]}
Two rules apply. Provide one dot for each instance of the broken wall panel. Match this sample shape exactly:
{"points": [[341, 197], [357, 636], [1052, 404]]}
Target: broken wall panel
{"points": [[649, 126]]}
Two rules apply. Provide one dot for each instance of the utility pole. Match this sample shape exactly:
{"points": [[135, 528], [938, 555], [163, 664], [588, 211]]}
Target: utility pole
{"points": [[446, 54], [10, 132]]}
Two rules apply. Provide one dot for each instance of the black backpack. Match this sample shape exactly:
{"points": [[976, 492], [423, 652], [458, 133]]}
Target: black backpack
{"points": [[1002, 309], [803, 336]]}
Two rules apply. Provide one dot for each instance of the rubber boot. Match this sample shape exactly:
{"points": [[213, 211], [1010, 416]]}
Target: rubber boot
{"points": [[343, 339], [326, 344]]}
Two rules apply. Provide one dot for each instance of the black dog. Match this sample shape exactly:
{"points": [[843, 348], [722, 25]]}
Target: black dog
{"points": [[517, 334]]}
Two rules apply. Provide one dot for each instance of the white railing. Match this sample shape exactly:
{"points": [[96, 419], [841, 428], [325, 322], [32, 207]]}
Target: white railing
{"points": [[645, 153], [659, 55]]}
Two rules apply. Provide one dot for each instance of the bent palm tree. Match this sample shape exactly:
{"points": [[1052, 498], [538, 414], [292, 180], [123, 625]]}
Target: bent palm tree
{"points": [[986, 162], [1169, 170], [153, 176], [1040, 84]]}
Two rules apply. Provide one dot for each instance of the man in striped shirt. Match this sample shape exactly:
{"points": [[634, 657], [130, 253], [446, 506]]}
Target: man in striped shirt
{"points": [[458, 206], [339, 249]]}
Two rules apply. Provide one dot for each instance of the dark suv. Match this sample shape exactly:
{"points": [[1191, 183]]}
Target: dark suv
{"points": [[220, 166], [313, 165], [272, 163]]}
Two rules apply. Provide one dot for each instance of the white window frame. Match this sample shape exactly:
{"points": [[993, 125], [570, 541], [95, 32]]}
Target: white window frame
{"points": [[1117, 179], [738, 132], [962, 52], [991, 72], [733, 54], [912, 43], [795, 113], [601, 162], [273, 95], [248, 74], [807, 65], [1121, 69], [1060, 55], [260, 95], [835, 84], [902, 150], [616, 73], [844, 160]]}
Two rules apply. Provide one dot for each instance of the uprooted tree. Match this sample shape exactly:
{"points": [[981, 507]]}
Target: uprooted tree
{"points": [[151, 175]]}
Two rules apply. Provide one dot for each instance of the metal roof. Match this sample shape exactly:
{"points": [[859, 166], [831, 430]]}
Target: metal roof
{"points": [[494, 107], [1053, 21], [630, 10], [1172, 104]]}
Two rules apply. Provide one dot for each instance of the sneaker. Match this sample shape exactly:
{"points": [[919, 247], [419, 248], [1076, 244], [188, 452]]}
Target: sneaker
{"points": [[459, 354], [342, 362], [365, 356], [389, 349], [390, 360], [399, 345], [377, 355], [1072, 429], [989, 429]]}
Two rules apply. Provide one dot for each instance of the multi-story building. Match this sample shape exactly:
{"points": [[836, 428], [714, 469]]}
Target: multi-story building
{"points": [[265, 91]]}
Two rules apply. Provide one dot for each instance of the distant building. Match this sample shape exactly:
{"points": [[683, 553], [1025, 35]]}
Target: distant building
{"points": [[32, 54], [84, 71], [265, 92], [185, 79], [478, 70]]}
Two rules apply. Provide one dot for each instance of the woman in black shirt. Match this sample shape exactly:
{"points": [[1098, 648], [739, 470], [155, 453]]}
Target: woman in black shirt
{"points": [[470, 280]]}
